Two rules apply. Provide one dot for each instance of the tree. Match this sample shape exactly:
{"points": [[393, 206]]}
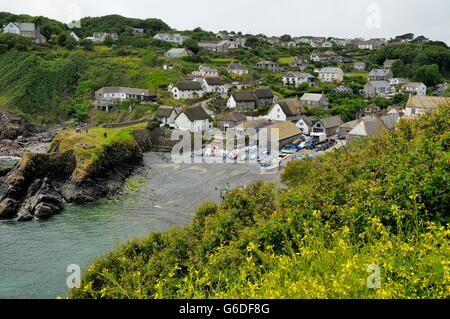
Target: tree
{"points": [[71, 43], [88, 45], [399, 69], [191, 45], [252, 42], [285, 38], [429, 75], [108, 41]]}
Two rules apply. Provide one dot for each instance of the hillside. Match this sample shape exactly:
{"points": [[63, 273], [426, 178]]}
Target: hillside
{"points": [[55, 82], [381, 202]]}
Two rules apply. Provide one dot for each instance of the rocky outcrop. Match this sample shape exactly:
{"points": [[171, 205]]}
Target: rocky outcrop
{"points": [[17, 136], [40, 184], [31, 188]]}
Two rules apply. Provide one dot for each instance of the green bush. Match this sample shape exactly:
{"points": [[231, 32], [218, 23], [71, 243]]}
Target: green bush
{"points": [[381, 201]]}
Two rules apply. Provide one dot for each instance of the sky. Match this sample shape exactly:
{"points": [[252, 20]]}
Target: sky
{"points": [[339, 18]]}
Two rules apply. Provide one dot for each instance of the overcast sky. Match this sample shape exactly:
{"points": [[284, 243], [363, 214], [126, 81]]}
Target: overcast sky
{"points": [[343, 18]]}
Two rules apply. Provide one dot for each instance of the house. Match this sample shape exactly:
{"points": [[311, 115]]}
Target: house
{"points": [[214, 85], [286, 110], [326, 127], [359, 66], [101, 36], [166, 115], [414, 88], [441, 89], [295, 79], [419, 105], [342, 89], [299, 63], [367, 127], [380, 75], [396, 81], [237, 69], [230, 120], [193, 119], [268, 65], [264, 96], [315, 100], [75, 36], [284, 133], [328, 56], [345, 128], [220, 48], [205, 71], [27, 30], [242, 100], [391, 119], [327, 44], [106, 97], [370, 110], [372, 44], [289, 45], [331, 74], [120, 94], [171, 38], [137, 32], [178, 53], [305, 123], [186, 90], [389, 63], [376, 88]]}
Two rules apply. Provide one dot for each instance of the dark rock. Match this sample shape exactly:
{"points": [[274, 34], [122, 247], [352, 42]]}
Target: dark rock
{"points": [[13, 126], [8, 208]]}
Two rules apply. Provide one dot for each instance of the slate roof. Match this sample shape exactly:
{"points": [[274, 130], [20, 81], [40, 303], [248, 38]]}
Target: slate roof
{"points": [[309, 120], [196, 113], [379, 72], [291, 107], [26, 27], [264, 93], [333, 121], [299, 75], [236, 66], [189, 86], [232, 117], [214, 81], [330, 70], [427, 102], [119, 89], [164, 111], [369, 126], [244, 96], [284, 130], [315, 97]]}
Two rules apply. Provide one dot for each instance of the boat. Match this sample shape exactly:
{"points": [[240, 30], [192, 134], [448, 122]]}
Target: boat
{"points": [[269, 166]]}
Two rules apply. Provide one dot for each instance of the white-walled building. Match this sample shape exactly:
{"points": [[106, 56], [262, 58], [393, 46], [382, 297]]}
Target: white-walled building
{"points": [[193, 119], [186, 90], [331, 74]]}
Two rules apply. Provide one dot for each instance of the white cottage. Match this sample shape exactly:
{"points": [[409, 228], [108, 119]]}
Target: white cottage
{"points": [[186, 90], [193, 119]]}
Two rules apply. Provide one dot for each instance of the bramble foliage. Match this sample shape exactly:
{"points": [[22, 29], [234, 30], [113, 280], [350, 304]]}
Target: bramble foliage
{"points": [[36, 85], [382, 201]]}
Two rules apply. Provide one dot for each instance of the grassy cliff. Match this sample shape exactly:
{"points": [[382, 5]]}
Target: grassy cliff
{"points": [[96, 147], [382, 202]]}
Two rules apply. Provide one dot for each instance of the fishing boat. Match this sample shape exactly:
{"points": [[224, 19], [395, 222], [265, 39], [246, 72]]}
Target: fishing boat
{"points": [[269, 166]]}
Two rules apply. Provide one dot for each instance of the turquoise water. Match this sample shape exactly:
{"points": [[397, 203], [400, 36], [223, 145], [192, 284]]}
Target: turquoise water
{"points": [[34, 256]]}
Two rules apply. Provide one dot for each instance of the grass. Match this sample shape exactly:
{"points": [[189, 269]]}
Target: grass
{"points": [[89, 147], [286, 60]]}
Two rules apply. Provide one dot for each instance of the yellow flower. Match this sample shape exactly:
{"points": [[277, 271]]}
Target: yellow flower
{"points": [[103, 292]]}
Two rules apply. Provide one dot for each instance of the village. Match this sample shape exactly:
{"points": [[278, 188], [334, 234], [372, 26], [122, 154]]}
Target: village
{"points": [[292, 96]]}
